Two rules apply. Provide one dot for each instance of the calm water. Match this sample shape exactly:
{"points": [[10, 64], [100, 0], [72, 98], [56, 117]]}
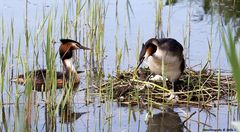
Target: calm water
{"points": [[201, 19]]}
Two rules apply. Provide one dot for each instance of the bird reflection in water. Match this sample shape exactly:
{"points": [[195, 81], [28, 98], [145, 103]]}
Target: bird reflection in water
{"points": [[67, 114], [66, 109], [167, 121]]}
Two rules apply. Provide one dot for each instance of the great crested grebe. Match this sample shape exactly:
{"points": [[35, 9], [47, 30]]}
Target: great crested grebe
{"points": [[66, 52], [164, 56]]}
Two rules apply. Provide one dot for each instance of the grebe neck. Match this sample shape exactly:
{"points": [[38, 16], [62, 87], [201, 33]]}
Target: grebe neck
{"points": [[69, 67], [70, 71]]}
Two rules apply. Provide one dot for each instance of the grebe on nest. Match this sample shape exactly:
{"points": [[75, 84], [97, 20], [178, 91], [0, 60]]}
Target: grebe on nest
{"points": [[66, 52], [164, 57]]}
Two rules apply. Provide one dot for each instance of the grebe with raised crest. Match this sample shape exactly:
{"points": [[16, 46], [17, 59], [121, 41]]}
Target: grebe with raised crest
{"points": [[66, 52]]}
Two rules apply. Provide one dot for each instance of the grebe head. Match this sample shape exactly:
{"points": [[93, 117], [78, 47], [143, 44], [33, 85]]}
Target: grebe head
{"points": [[148, 49], [66, 51], [67, 46]]}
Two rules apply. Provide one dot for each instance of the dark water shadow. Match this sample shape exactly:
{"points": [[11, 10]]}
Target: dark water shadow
{"points": [[68, 115], [65, 112], [166, 121]]}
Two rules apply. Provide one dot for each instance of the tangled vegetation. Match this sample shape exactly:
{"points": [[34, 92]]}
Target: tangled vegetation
{"points": [[196, 88]]}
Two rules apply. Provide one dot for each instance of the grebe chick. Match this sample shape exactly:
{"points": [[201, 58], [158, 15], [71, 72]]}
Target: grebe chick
{"points": [[66, 52]]}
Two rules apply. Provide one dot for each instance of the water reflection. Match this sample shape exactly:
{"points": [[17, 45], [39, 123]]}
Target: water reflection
{"points": [[169, 2], [65, 110], [228, 10], [55, 109], [67, 114], [167, 121], [3, 123]]}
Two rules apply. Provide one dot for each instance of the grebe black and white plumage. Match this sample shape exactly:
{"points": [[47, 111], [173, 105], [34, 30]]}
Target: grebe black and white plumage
{"points": [[66, 52], [164, 56]]}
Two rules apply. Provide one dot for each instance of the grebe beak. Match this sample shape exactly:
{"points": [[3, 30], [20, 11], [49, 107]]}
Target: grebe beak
{"points": [[82, 47], [140, 62]]}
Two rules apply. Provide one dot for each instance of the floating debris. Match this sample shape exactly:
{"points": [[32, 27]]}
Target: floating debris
{"points": [[195, 88]]}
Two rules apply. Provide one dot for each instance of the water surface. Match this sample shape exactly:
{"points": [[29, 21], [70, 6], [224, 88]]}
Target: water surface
{"points": [[195, 24]]}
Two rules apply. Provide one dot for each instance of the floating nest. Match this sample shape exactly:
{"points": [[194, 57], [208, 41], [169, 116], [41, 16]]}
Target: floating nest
{"points": [[198, 88]]}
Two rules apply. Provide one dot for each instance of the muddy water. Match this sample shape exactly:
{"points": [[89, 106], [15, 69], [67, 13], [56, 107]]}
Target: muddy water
{"points": [[195, 24]]}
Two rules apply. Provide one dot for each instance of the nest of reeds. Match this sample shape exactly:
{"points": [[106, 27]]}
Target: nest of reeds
{"points": [[193, 88]]}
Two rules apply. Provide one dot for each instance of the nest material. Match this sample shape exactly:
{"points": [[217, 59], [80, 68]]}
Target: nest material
{"points": [[193, 88]]}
